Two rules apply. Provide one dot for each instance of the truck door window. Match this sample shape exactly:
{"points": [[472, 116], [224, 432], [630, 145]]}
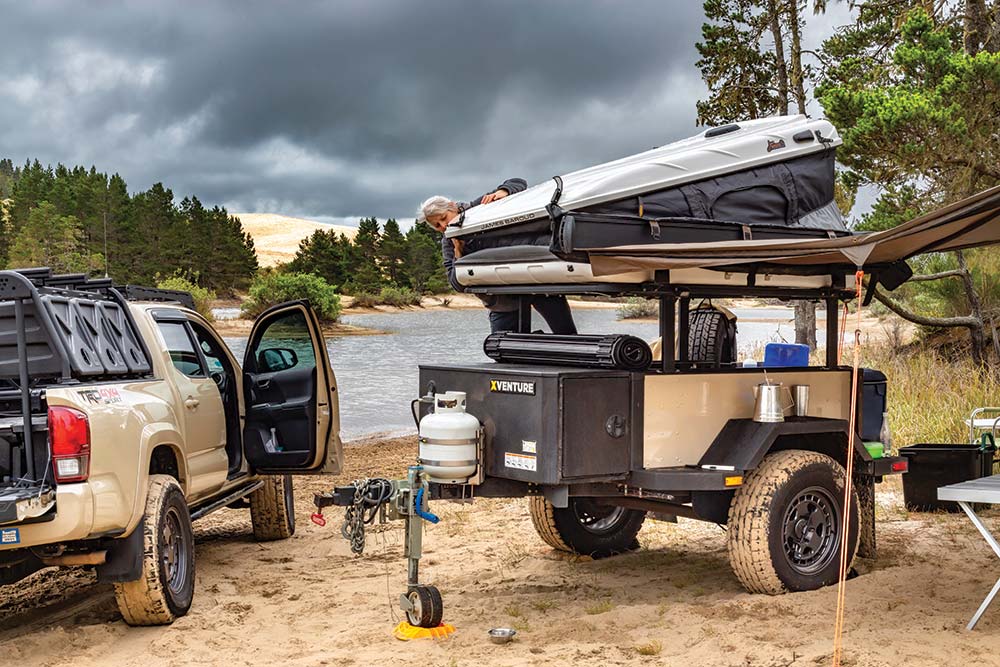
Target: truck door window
{"points": [[286, 344], [182, 353]]}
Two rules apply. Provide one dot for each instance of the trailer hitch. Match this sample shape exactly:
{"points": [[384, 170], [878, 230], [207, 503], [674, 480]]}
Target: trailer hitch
{"points": [[402, 499]]}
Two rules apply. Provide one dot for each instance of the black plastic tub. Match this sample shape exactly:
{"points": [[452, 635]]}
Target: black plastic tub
{"points": [[934, 466]]}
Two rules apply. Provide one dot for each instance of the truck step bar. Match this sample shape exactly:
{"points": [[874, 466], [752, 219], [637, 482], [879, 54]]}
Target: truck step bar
{"points": [[241, 492]]}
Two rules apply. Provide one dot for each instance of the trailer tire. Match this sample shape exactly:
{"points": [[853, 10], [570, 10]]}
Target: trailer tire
{"points": [[166, 588], [272, 509], [709, 340], [785, 524], [585, 527]]}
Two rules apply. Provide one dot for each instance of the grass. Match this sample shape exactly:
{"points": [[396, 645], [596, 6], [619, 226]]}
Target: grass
{"points": [[649, 648], [929, 395], [601, 607]]}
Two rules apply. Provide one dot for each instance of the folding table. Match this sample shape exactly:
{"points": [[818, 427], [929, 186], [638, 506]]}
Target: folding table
{"points": [[983, 490]]}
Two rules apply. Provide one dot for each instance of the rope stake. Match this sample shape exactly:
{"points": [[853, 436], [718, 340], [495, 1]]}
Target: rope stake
{"points": [[838, 630]]}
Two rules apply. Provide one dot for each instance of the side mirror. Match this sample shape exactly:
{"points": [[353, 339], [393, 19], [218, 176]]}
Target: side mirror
{"points": [[276, 359]]}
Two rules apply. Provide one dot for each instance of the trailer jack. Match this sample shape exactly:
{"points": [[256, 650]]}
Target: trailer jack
{"points": [[401, 499]]}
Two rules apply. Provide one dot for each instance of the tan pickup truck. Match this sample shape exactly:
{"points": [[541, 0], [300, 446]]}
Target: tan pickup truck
{"points": [[124, 416]]}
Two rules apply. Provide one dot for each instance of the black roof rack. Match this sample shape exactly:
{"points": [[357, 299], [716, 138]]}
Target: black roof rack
{"points": [[43, 277]]}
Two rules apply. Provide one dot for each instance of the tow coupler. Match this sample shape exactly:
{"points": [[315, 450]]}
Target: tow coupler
{"points": [[402, 499]]}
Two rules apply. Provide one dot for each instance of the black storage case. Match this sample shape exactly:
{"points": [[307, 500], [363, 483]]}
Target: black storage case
{"points": [[589, 439], [932, 466], [873, 403]]}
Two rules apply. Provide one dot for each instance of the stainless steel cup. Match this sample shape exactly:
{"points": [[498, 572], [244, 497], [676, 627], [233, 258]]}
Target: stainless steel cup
{"points": [[800, 393]]}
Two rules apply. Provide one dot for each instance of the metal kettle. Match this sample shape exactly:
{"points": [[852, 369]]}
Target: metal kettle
{"points": [[768, 406]]}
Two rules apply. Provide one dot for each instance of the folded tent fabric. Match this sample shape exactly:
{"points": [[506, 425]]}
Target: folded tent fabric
{"points": [[971, 222]]}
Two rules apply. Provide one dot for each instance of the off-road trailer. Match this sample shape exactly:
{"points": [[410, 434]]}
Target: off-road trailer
{"points": [[595, 450]]}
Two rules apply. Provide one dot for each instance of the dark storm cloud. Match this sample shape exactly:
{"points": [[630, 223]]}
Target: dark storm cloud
{"points": [[344, 108]]}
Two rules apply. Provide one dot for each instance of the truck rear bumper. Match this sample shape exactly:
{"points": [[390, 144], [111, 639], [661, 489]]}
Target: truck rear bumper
{"points": [[73, 520]]}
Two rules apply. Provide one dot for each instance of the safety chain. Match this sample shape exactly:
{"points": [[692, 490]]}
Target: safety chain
{"points": [[369, 495]]}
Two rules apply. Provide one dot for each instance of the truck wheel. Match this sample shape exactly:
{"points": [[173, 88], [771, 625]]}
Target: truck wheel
{"points": [[272, 509], [785, 523], [586, 527], [164, 591]]}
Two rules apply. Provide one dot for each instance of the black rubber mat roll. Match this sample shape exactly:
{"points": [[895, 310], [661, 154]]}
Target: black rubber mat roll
{"points": [[616, 351]]}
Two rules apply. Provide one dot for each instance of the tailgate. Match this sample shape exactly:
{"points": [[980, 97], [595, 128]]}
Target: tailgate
{"points": [[19, 504]]}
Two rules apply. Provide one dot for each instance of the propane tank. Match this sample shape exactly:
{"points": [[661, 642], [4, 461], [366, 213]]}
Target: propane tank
{"points": [[449, 439]]}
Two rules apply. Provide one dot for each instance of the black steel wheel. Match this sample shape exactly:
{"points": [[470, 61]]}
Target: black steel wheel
{"points": [[810, 532], [586, 526], [426, 606]]}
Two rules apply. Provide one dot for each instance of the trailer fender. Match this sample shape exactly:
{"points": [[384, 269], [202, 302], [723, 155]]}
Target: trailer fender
{"points": [[743, 443]]}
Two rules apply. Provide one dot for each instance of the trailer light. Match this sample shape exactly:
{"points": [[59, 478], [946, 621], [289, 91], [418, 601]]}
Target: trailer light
{"points": [[69, 442], [735, 480], [900, 466]]}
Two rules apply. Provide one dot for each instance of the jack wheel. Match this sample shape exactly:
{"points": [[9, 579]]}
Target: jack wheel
{"points": [[427, 608]]}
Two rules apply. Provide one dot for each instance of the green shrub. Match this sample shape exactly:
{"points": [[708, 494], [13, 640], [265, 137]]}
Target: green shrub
{"points": [[203, 297], [266, 291], [399, 297], [635, 307], [365, 300]]}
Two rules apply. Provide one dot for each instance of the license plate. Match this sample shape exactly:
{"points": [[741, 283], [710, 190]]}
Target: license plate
{"points": [[10, 536]]}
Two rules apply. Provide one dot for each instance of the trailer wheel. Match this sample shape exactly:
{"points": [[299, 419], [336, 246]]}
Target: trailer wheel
{"points": [[166, 588], [426, 607], [272, 509], [586, 527], [785, 524]]}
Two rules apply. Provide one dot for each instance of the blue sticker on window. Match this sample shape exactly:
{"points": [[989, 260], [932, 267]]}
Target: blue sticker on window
{"points": [[10, 536]]}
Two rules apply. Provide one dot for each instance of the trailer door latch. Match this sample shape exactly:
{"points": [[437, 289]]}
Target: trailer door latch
{"points": [[615, 426]]}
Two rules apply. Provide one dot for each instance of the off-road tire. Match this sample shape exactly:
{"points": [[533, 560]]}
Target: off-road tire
{"points": [[157, 598], [708, 339], [562, 528], [764, 523], [272, 509]]}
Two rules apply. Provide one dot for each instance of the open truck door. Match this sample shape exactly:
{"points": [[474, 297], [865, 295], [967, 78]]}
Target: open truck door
{"points": [[292, 417]]}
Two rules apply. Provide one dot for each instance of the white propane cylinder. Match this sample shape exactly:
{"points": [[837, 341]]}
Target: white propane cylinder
{"points": [[448, 440]]}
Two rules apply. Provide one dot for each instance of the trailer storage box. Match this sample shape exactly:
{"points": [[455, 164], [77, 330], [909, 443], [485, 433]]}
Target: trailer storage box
{"points": [[547, 425]]}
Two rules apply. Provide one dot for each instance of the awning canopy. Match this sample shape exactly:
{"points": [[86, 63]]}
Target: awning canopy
{"points": [[968, 223]]}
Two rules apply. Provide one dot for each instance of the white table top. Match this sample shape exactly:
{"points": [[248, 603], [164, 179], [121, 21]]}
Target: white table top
{"points": [[983, 490]]}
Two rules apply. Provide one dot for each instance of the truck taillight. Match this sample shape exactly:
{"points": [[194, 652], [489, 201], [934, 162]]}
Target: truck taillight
{"points": [[69, 440]]}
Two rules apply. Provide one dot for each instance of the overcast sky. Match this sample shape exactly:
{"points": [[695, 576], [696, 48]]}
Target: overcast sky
{"points": [[347, 108]]}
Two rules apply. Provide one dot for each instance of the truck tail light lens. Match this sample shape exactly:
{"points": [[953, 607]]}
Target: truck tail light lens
{"points": [[900, 466], [69, 442]]}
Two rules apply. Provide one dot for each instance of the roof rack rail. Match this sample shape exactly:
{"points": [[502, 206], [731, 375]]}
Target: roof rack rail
{"points": [[139, 293], [43, 277]]}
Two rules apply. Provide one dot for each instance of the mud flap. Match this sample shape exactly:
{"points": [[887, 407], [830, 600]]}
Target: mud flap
{"points": [[124, 561], [864, 486]]}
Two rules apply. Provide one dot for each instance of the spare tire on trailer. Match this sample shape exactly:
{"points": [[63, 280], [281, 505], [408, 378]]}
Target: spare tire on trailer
{"points": [[586, 527], [785, 523], [711, 336]]}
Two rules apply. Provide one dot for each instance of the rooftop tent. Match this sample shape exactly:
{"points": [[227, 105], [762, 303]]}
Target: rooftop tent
{"points": [[971, 222], [768, 178]]}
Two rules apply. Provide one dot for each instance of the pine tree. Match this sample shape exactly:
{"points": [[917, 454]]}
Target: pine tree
{"points": [[393, 255], [424, 265], [365, 273], [49, 239]]}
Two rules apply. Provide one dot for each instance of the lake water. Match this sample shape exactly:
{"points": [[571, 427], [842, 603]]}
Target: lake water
{"points": [[377, 375]]}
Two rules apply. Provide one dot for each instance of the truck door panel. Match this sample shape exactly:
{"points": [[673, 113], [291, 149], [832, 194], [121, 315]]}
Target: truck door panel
{"points": [[291, 419]]}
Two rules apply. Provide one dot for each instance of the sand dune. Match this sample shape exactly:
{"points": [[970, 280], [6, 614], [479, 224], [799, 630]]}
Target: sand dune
{"points": [[277, 237]]}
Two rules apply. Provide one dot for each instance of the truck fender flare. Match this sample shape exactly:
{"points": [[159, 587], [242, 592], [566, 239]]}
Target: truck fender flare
{"points": [[154, 435]]}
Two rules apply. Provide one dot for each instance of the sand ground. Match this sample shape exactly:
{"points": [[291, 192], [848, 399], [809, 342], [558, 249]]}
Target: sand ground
{"points": [[308, 601]]}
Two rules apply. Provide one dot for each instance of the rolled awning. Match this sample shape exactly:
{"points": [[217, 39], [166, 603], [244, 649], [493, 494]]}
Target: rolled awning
{"points": [[968, 223]]}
